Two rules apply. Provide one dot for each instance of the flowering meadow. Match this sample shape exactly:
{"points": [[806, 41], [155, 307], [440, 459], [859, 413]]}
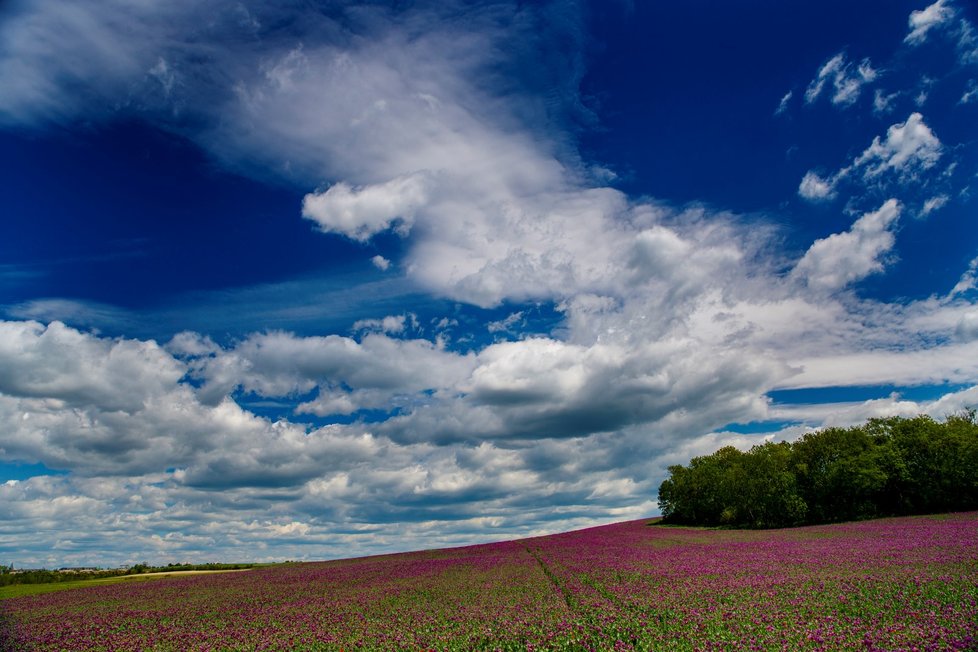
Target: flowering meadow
{"points": [[891, 584]]}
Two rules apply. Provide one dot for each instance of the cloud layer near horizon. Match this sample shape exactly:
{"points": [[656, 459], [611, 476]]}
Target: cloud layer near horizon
{"points": [[675, 322]]}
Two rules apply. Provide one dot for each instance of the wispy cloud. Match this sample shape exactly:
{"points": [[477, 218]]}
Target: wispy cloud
{"points": [[933, 16], [846, 80], [908, 150], [784, 103]]}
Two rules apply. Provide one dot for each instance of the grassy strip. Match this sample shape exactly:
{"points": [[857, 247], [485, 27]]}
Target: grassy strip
{"points": [[18, 590]]}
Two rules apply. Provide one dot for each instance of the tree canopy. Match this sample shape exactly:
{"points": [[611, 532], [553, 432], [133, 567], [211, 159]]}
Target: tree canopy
{"points": [[886, 467]]}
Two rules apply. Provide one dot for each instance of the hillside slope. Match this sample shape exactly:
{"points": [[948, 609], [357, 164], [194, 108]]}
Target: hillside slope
{"points": [[885, 584]]}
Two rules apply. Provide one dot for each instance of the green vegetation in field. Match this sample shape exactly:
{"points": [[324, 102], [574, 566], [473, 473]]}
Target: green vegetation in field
{"points": [[889, 584], [18, 590], [15, 584]]}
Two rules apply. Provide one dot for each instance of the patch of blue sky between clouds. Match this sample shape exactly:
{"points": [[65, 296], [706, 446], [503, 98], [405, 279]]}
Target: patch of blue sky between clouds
{"points": [[841, 394], [18, 471]]}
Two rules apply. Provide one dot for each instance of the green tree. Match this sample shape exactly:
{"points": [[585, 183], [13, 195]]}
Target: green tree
{"points": [[889, 466]]}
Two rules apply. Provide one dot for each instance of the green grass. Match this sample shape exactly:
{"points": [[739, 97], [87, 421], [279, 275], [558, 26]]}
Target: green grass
{"points": [[18, 590]]}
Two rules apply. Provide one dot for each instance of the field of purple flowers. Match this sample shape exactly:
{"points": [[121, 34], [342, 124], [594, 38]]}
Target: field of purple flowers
{"points": [[892, 584]]}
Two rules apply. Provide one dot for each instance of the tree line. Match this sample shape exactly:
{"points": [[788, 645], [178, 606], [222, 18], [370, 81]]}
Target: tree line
{"points": [[886, 467]]}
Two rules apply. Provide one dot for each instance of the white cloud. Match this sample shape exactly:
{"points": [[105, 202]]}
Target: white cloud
{"points": [[970, 93], [815, 188], [934, 203], [967, 328], [951, 363], [967, 43], [924, 20], [883, 102], [381, 368], [380, 262], [844, 258], [59, 363], [968, 280], [783, 104], [676, 322], [909, 147], [363, 212], [390, 324], [846, 80], [507, 324]]}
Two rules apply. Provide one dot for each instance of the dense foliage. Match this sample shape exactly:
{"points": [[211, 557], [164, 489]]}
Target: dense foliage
{"points": [[886, 467]]}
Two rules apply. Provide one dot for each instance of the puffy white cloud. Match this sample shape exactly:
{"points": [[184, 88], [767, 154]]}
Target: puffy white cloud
{"points": [[59, 363], [846, 80], [815, 188], [362, 212], [675, 322], [281, 364], [381, 263], [922, 21], [909, 148], [843, 258]]}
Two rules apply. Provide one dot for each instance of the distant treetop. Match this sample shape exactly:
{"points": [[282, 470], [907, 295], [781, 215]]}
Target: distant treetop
{"points": [[886, 467]]}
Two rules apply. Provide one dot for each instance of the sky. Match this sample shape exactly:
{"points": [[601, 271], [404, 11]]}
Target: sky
{"points": [[311, 280]]}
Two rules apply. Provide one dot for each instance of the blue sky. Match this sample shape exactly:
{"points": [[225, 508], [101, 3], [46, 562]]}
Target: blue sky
{"points": [[332, 279]]}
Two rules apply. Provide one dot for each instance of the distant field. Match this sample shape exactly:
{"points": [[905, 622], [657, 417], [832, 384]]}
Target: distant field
{"points": [[891, 584], [17, 590]]}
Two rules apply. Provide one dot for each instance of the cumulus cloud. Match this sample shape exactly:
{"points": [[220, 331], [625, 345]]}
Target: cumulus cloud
{"points": [[846, 80], [815, 188], [363, 212], [909, 148], [59, 363], [349, 374], [843, 258], [150, 462], [675, 322]]}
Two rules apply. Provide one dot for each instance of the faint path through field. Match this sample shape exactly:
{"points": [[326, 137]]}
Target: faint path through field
{"points": [[564, 593]]}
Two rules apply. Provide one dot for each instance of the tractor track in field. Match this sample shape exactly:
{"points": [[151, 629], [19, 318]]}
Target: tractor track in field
{"points": [[564, 593]]}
